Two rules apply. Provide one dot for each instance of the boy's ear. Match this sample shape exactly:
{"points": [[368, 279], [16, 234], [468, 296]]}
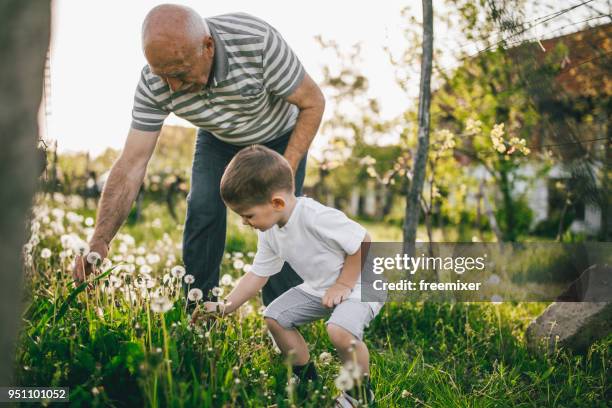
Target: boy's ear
{"points": [[278, 202]]}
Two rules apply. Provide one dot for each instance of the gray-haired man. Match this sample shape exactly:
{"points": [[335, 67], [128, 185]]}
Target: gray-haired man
{"points": [[236, 79]]}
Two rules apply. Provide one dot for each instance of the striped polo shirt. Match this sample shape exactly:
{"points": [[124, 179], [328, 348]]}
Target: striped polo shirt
{"points": [[253, 71]]}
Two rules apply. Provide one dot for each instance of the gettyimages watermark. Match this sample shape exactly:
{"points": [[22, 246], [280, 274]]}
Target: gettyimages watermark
{"points": [[487, 272]]}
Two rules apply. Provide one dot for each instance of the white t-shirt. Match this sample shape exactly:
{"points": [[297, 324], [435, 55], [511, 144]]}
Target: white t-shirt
{"points": [[315, 242]]}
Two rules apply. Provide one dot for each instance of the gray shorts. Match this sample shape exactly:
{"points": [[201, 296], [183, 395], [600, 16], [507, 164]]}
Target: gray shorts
{"points": [[296, 307]]}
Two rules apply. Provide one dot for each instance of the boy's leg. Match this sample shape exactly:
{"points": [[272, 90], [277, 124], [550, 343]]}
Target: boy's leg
{"points": [[293, 308], [287, 278], [345, 329], [205, 225], [349, 347], [289, 341]]}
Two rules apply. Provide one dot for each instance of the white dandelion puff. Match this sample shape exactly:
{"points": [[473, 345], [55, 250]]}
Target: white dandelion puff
{"points": [[94, 258], [45, 253], [81, 248], [146, 269], [325, 357], [189, 279], [217, 291], [238, 264], [195, 294], [161, 304], [178, 271], [226, 279], [344, 381]]}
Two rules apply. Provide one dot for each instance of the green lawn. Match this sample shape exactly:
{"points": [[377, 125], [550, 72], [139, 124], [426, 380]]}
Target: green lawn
{"points": [[112, 349]]}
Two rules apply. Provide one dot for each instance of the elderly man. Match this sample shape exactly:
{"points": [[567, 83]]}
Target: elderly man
{"points": [[236, 79]]}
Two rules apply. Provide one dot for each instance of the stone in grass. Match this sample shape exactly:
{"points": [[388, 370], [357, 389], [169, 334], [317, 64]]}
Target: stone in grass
{"points": [[581, 315]]}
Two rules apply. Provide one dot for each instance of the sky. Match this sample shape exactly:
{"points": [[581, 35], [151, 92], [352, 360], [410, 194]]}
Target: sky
{"points": [[96, 57]]}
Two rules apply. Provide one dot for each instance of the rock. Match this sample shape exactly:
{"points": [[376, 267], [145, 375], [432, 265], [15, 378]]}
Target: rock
{"points": [[573, 325]]}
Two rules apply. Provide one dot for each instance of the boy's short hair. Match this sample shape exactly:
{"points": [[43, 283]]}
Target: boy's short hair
{"points": [[253, 175]]}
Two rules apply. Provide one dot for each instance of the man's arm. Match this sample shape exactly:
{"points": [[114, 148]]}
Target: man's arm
{"points": [[309, 99], [119, 193], [347, 279]]}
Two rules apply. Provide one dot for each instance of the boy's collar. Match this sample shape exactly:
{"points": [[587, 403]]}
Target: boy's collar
{"points": [[292, 214]]}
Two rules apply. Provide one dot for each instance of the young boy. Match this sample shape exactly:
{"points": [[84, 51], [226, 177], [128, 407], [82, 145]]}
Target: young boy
{"points": [[321, 244]]}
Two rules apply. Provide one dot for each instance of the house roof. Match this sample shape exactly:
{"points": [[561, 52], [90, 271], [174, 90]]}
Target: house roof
{"points": [[585, 67]]}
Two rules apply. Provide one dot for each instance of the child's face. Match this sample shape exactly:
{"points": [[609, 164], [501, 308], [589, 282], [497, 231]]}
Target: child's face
{"points": [[262, 216]]}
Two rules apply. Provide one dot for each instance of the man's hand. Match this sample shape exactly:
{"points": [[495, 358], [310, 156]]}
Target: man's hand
{"points": [[335, 295], [81, 268]]}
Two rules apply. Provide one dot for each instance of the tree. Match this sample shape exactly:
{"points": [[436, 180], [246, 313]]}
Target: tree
{"points": [[24, 39], [420, 160]]}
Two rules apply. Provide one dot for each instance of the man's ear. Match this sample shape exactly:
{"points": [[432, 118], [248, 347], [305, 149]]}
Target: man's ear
{"points": [[278, 202]]}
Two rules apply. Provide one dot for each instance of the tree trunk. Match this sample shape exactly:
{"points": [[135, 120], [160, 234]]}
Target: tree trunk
{"points": [[506, 190], [418, 176], [24, 40]]}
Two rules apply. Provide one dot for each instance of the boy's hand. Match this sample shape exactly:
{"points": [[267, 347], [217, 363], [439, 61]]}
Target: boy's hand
{"points": [[207, 310], [335, 295]]}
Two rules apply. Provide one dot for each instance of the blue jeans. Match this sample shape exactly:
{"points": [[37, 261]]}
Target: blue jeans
{"points": [[206, 222]]}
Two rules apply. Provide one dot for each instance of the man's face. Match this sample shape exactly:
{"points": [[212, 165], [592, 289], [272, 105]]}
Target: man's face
{"points": [[260, 217], [183, 67]]}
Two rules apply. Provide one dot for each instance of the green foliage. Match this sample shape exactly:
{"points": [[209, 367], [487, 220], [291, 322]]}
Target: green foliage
{"points": [[112, 352]]}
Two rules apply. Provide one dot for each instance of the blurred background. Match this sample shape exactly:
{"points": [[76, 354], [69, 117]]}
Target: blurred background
{"points": [[520, 137]]}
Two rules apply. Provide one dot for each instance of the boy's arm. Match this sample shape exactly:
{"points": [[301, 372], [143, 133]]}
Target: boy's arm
{"points": [[347, 279], [249, 286]]}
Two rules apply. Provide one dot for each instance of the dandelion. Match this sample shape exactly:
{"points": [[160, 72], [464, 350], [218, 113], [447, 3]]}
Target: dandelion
{"points": [[178, 271], [195, 295], [153, 259], [353, 369], [406, 393], [496, 299], [189, 279], [89, 221], [161, 304], [226, 280], [45, 253], [94, 258], [80, 248], [247, 268], [146, 269], [325, 357], [344, 381], [141, 260], [217, 291], [167, 279], [106, 264], [238, 264]]}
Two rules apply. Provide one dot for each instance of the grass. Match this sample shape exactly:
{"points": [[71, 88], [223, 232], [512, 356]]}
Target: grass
{"points": [[111, 349]]}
